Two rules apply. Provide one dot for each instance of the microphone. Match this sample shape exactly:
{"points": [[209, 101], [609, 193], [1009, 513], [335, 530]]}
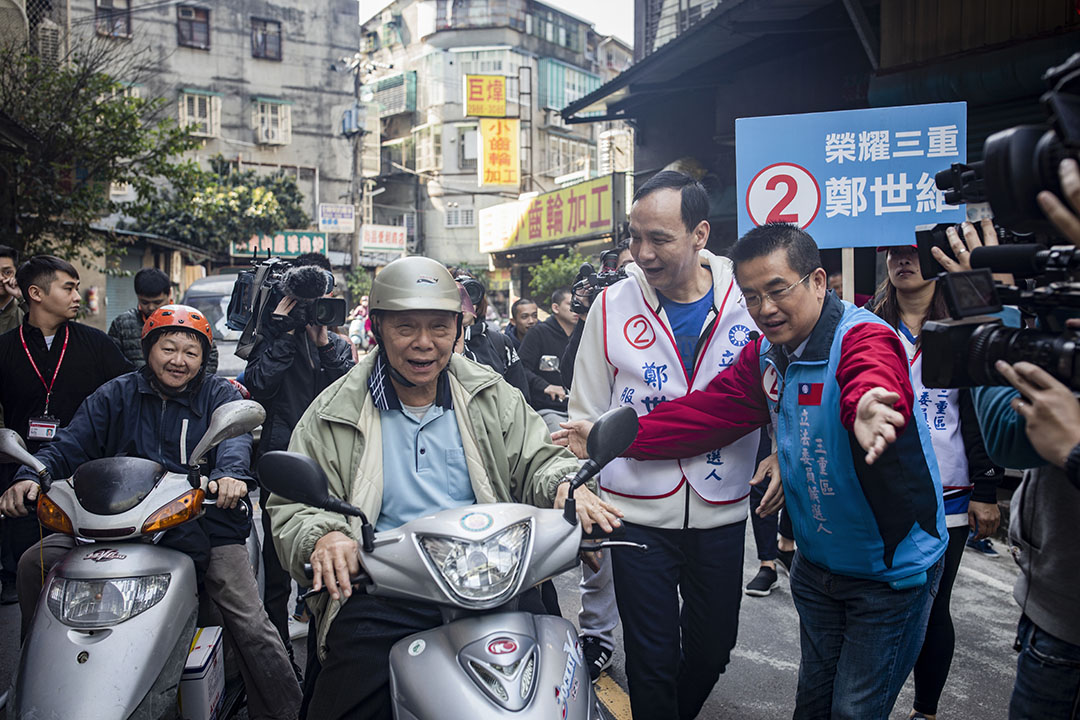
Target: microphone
{"points": [[1024, 260], [307, 282]]}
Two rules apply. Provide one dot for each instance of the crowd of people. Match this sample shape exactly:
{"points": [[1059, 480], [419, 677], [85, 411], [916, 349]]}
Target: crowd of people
{"points": [[760, 394]]}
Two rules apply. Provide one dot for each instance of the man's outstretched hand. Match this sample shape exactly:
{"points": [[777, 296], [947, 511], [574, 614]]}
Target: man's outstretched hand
{"points": [[574, 435], [876, 423]]}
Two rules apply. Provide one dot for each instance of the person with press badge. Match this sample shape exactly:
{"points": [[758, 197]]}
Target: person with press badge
{"points": [[48, 366]]}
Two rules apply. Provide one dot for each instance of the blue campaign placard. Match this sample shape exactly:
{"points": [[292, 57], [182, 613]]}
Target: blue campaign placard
{"points": [[851, 178]]}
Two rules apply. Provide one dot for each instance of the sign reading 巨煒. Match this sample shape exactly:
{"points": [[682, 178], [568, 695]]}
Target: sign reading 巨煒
{"points": [[853, 178], [485, 96]]}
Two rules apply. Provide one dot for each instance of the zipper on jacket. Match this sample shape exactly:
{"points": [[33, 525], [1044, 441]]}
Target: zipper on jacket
{"points": [[686, 509], [164, 403]]}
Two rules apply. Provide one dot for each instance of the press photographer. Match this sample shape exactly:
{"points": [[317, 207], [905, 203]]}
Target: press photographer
{"points": [[294, 358]]}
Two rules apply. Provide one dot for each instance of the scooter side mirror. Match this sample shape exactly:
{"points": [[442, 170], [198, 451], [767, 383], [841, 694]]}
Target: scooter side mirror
{"points": [[13, 450], [230, 420], [612, 434]]}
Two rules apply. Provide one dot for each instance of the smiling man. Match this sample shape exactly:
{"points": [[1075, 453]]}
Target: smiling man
{"points": [[411, 430], [860, 481]]}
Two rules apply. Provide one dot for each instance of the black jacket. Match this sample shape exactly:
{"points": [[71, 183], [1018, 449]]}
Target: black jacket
{"points": [[285, 373], [91, 360], [511, 333], [544, 346], [496, 351]]}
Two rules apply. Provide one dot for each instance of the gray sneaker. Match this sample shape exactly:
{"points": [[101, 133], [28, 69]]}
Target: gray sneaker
{"points": [[763, 583]]}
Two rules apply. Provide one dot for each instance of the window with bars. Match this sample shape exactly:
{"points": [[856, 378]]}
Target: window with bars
{"points": [[265, 39], [467, 147], [202, 113], [460, 217], [113, 18], [272, 122], [193, 26], [428, 144]]}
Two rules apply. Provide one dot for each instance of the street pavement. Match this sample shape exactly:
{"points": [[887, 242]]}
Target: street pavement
{"points": [[760, 681]]}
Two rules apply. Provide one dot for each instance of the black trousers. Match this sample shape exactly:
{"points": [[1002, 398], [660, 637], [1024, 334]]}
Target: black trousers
{"points": [[674, 657], [354, 681]]}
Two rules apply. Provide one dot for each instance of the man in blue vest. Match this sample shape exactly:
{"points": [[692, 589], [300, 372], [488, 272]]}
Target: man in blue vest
{"points": [[859, 479]]}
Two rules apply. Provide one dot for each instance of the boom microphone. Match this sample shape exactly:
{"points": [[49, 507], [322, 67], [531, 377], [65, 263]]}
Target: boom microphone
{"points": [[307, 282]]}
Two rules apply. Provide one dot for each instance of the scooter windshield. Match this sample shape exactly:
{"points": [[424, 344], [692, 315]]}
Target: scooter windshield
{"points": [[110, 486]]}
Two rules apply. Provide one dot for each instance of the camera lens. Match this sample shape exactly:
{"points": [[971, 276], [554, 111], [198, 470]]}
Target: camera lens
{"points": [[1057, 354]]}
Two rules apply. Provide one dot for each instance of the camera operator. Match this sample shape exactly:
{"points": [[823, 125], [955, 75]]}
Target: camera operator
{"points": [[1035, 425], [584, 300], [287, 368]]}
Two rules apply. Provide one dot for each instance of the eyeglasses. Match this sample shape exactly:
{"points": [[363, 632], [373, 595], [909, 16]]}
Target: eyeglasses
{"points": [[776, 296]]}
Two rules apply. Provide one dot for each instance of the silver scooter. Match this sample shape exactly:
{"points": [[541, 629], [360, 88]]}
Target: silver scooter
{"points": [[117, 614], [488, 660]]}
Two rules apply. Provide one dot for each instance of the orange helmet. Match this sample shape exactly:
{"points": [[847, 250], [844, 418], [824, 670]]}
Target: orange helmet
{"points": [[177, 317]]}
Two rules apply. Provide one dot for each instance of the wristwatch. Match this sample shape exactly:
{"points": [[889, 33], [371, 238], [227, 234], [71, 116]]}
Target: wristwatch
{"points": [[1072, 466]]}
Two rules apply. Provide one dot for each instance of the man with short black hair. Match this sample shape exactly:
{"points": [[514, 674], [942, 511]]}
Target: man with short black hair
{"points": [[152, 290], [523, 316], [50, 365], [541, 356], [11, 312]]}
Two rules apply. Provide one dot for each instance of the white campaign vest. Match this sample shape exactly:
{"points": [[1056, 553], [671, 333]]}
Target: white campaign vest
{"points": [[640, 345], [940, 409]]}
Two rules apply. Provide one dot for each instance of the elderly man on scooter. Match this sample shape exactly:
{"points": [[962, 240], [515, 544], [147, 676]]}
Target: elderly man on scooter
{"points": [[411, 430], [159, 412]]}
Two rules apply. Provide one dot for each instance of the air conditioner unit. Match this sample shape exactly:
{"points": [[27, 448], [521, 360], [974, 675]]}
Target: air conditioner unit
{"points": [[47, 38]]}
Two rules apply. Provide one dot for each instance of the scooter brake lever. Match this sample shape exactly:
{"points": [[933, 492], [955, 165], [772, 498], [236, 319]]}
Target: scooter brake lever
{"points": [[594, 546]]}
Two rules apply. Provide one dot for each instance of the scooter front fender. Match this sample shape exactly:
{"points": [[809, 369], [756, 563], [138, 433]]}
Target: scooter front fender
{"points": [[128, 669], [478, 667]]}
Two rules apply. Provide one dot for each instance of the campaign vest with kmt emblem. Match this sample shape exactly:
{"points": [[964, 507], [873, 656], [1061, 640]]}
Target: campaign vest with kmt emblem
{"points": [[640, 345]]}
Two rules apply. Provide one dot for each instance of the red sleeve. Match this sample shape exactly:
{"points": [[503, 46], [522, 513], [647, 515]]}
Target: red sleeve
{"points": [[871, 355], [731, 406]]}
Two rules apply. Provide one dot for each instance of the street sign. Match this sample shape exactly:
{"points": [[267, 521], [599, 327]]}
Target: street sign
{"points": [[337, 218], [382, 238], [853, 178], [485, 96], [589, 209], [500, 159], [285, 244]]}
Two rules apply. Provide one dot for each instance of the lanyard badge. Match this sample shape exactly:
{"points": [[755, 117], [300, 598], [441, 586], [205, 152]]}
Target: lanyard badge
{"points": [[44, 426]]}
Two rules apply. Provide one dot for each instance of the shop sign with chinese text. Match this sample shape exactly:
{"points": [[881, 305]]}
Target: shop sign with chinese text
{"points": [[485, 96], [500, 159], [853, 178], [285, 244], [382, 238], [589, 209], [337, 218]]}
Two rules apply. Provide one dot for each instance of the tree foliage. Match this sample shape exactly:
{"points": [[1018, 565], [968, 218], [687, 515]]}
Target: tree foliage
{"points": [[358, 283], [553, 273], [211, 208], [90, 134]]}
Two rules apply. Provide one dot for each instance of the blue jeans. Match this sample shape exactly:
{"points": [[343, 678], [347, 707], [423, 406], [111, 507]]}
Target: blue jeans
{"points": [[859, 640], [1047, 676], [675, 656]]}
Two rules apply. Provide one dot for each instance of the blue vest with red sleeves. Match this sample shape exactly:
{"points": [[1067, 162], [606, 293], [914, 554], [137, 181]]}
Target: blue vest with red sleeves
{"points": [[879, 522]]}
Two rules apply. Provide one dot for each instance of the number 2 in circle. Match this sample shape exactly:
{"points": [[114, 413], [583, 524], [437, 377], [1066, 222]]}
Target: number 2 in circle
{"points": [[791, 189]]}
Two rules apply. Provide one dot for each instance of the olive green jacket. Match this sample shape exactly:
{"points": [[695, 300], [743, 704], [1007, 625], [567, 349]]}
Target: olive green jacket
{"points": [[508, 452]]}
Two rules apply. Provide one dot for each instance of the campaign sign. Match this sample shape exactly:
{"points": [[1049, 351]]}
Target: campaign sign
{"points": [[852, 178]]}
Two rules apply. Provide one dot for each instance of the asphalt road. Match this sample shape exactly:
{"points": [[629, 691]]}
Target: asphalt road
{"points": [[760, 682]]}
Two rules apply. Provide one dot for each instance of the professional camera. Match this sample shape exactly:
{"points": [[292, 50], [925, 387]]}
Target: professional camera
{"points": [[1021, 161], [257, 293], [589, 282], [961, 352]]}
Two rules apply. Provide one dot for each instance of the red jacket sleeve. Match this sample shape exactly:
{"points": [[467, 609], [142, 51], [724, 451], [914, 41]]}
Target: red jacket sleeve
{"points": [[871, 355], [731, 406]]}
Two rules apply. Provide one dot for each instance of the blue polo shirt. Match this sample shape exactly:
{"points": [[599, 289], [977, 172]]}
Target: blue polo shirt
{"points": [[424, 467]]}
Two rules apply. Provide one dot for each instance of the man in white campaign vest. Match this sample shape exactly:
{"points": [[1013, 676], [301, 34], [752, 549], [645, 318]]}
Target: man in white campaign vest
{"points": [[666, 330]]}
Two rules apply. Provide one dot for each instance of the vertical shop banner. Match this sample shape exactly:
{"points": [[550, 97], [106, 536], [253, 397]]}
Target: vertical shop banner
{"points": [[853, 178], [285, 244], [485, 96], [500, 157]]}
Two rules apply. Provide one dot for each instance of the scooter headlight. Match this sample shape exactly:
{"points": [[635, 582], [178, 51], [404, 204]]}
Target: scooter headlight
{"points": [[479, 574], [100, 603]]}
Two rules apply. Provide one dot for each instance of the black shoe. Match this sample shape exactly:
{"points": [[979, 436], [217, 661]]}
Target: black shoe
{"points": [[763, 583], [8, 595], [785, 558], [597, 655]]}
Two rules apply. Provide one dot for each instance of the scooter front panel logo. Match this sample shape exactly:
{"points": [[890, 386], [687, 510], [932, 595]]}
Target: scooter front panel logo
{"points": [[104, 555], [502, 646], [476, 521], [563, 691]]}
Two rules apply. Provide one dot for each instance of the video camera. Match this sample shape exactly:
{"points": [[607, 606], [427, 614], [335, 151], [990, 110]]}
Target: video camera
{"points": [[257, 293], [1018, 163], [589, 283]]}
